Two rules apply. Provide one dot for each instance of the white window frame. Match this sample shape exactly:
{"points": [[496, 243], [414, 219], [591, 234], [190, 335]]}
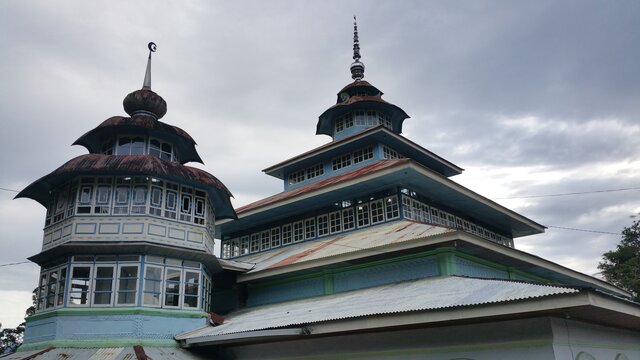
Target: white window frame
{"points": [[117, 281], [144, 284]]}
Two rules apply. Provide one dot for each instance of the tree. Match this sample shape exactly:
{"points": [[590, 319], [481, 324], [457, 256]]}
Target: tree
{"points": [[621, 266], [11, 338]]}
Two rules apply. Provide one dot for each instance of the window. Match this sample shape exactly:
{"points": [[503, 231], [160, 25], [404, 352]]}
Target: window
{"points": [[286, 234], [435, 215], [152, 285], [172, 287], [186, 204], [50, 291], [139, 199], [170, 204], [226, 249], [156, 201], [384, 120], [389, 153], [362, 154], [310, 228], [298, 231], [407, 209], [339, 124], [265, 240], [323, 225], [103, 199], [315, 171], [235, 248], [362, 211], [275, 237], [296, 177], [377, 211], [130, 146], [191, 289], [103, 288], [341, 161], [244, 245], [199, 208], [255, 242], [80, 282], [391, 207], [348, 221], [335, 222], [127, 285]]}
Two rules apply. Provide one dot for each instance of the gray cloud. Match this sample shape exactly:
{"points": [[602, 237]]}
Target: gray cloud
{"points": [[540, 97]]}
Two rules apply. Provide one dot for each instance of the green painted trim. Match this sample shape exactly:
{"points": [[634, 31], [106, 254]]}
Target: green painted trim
{"points": [[497, 266], [444, 255], [102, 343], [447, 263], [120, 311], [328, 283], [267, 283]]}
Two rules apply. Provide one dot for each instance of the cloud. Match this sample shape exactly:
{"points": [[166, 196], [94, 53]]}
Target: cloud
{"points": [[530, 98]]}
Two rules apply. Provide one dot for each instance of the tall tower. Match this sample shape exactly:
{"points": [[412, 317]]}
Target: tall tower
{"points": [[127, 253]]}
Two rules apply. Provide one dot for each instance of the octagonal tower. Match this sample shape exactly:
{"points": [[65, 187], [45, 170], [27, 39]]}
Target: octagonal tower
{"points": [[127, 253]]}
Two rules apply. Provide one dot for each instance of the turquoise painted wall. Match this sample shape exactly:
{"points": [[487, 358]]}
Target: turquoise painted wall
{"points": [[442, 262], [90, 329]]}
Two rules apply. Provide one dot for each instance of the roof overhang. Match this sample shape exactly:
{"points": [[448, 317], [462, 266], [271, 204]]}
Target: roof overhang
{"points": [[253, 336], [583, 305], [378, 134], [355, 103], [125, 247], [120, 165], [403, 173], [140, 125], [458, 240]]}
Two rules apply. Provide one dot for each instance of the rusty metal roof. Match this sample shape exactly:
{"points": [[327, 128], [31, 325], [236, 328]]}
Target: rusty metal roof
{"points": [[376, 166], [356, 84], [100, 164], [115, 353], [367, 239], [120, 125], [407, 296]]}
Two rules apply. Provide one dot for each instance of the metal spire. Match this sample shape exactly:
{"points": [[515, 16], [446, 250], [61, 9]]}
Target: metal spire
{"points": [[357, 68], [146, 85]]}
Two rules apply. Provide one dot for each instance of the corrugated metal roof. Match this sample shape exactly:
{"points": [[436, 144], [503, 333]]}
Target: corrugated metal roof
{"points": [[131, 164], [122, 353], [416, 295], [94, 139], [349, 242], [376, 166]]}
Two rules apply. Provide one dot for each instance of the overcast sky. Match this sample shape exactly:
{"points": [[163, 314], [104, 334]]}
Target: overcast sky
{"points": [[530, 98]]}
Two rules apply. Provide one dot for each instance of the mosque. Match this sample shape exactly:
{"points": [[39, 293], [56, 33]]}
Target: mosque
{"points": [[370, 251]]}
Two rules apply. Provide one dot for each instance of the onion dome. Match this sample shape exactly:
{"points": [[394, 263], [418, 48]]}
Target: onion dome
{"points": [[145, 108], [145, 101], [144, 165]]}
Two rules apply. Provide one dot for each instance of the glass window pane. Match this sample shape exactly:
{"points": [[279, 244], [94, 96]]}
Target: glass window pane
{"points": [[137, 146], [151, 299], [190, 301]]}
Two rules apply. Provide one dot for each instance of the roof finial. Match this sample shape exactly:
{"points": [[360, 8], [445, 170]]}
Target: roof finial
{"points": [[357, 68], [146, 85]]}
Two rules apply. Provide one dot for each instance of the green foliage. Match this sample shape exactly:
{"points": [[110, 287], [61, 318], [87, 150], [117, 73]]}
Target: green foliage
{"points": [[621, 266], [11, 338]]}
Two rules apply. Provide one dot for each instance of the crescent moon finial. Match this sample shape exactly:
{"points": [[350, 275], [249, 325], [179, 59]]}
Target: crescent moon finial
{"points": [[152, 46]]}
